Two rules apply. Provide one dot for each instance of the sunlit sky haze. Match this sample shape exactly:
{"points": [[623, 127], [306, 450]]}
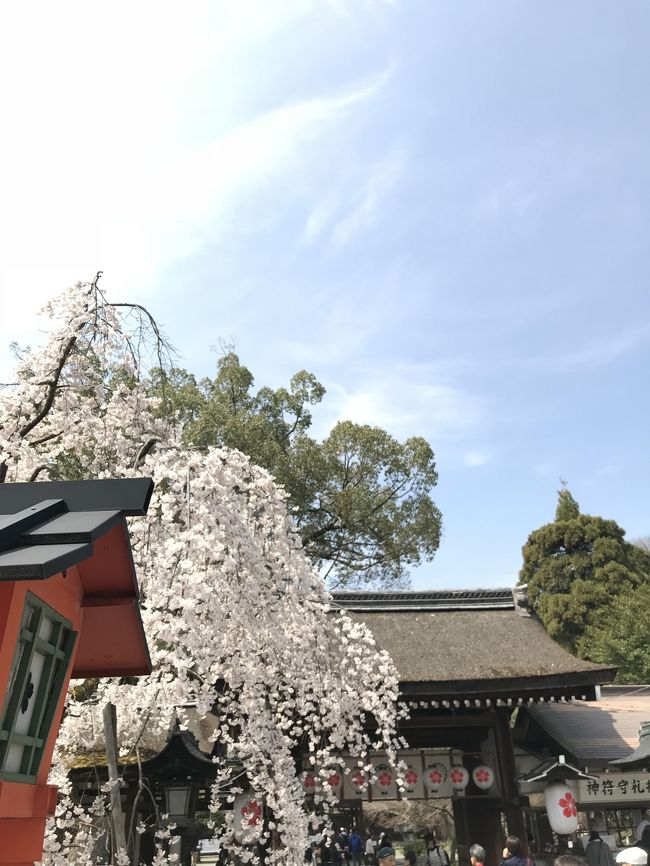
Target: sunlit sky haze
{"points": [[440, 209]]}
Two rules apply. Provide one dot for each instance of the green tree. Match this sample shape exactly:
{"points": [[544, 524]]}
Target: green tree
{"points": [[575, 568], [361, 499], [620, 636]]}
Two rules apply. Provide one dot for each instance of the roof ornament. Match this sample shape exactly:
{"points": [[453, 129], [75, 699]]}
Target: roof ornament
{"points": [[520, 598], [640, 758]]}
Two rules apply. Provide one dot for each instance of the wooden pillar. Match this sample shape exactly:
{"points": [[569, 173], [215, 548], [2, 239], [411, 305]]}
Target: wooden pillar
{"points": [[484, 821], [508, 775]]}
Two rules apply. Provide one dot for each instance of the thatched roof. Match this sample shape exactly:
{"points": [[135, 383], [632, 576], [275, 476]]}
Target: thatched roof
{"points": [[471, 645]]}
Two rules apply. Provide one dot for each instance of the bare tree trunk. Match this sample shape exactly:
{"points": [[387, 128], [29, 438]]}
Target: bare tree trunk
{"points": [[117, 816]]}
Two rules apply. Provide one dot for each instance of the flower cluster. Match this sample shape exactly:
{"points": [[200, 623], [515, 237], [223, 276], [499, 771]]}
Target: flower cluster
{"points": [[238, 622]]}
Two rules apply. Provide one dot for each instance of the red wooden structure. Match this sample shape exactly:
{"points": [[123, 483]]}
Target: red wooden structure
{"points": [[68, 608]]}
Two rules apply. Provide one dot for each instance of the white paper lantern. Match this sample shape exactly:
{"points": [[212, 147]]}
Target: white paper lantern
{"points": [[561, 808], [411, 778], [334, 779], [358, 780], [483, 777], [435, 775], [385, 778], [248, 813], [309, 782], [459, 777]]}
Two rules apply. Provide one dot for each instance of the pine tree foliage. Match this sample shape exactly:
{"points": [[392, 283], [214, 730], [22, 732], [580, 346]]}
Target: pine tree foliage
{"points": [[575, 568]]}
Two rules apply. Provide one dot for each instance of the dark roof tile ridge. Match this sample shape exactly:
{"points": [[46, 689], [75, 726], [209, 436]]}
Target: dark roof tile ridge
{"points": [[435, 599]]}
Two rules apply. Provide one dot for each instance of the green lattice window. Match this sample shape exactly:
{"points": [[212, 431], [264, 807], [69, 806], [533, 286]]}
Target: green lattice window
{"points": [[37, 677]]}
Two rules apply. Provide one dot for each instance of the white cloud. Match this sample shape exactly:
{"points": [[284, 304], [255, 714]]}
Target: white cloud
{"points": [[593, 354], [127, 148], [405, 400], [383, 177], [355, 206], [474, 458]]}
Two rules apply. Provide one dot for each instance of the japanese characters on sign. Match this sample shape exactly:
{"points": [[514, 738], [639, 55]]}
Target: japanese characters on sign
{"points": [[615, 788]]}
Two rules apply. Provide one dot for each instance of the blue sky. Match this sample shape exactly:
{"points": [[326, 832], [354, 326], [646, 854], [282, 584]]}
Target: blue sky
{"points": [[440, 209]]}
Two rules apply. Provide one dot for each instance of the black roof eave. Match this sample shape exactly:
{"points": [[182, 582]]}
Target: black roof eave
{"points": [[503, 688], [42, 561], [131, 496]]}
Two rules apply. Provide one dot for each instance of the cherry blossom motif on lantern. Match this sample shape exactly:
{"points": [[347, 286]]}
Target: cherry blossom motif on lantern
{"points": [[435, 775], [358, 780], [459, 777], [568, 805], [334, 779], [561, 808], [309, 782], [483, 777], [251, 813], [384, 778], [411, 777]]}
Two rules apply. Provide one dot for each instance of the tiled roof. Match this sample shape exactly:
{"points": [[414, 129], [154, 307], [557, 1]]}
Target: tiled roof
{"points": [[599, 732], [451, 599]]}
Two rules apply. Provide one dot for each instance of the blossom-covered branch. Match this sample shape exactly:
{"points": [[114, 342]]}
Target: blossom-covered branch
{"points": [[237, 620]]}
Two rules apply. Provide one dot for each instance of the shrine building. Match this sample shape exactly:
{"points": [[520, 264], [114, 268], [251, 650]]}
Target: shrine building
{"points": [[471, 664]]}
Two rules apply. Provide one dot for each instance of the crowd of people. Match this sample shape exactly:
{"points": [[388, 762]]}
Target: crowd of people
{"points": [[343, 849]]}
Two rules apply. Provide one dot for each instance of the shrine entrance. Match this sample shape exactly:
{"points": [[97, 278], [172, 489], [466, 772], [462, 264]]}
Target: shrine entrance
{"points": [[467, 661]]}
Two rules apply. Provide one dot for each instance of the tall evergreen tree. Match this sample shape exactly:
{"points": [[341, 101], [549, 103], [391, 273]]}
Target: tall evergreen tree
{"points": [[575, 568]]}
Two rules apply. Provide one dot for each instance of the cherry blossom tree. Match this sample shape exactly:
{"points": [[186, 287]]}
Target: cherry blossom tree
{"points": [[236, 617]]}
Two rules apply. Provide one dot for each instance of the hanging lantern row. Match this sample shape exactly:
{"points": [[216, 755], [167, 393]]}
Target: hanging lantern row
{"points": [[435, 776]]}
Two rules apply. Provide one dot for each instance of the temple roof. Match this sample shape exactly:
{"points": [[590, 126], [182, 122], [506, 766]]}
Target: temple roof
{"points": [[593, 734], [472, 647]]}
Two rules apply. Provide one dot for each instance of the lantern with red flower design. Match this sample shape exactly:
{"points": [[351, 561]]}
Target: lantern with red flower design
{"points": [[459, 777], [483, 777], [309, 782], [411, 779], [358, 780], [385, 778], [334, 779], [248, 813], [435, 775], [561, 807], [560, 794]]}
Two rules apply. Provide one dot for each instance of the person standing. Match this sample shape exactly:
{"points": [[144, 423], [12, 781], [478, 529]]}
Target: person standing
{"points": [[643, 823], [634, 856], [435, 855], [477, 855], [329, 852], [386, 856], [370, 852], [597, 852], [513, 853], [355, 847]]}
